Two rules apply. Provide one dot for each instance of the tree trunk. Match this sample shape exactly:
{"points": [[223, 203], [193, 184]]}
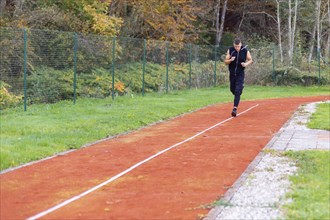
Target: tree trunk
{"points": [[312, 43], [279, 30], [292, 29], [327, 47], [18, 6], [318, 29], [294, 26], [217, 26], [223, 16], [243, 16], [2, 7], [290, 32]]}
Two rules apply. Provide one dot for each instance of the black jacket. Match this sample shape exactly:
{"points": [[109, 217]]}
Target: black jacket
{"points": [[235, 66]]}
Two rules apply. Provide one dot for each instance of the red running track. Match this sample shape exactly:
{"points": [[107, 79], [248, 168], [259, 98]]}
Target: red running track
{"points": [[180, 183]]}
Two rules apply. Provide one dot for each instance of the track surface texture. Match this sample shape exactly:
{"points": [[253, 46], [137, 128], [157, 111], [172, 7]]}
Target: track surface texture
{"points": [[180, 183]]}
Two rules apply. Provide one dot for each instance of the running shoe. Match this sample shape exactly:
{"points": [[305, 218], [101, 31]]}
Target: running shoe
{"points": [[234, 112]]}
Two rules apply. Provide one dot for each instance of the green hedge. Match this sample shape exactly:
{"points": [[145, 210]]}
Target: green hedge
{"points": [[292, 76], [48, 85]]}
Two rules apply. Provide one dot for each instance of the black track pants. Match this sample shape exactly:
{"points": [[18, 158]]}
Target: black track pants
{"points": [[236, 86]]}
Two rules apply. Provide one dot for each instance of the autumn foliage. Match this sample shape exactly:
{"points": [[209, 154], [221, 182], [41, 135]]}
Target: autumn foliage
{"points": [[119, 87], [6, 98]]}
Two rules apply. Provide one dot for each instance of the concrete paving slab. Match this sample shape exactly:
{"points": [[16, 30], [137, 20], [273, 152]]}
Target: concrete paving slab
{"points": [[297, 136]]}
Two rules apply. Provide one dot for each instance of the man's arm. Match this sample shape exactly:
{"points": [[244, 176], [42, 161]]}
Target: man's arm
{"points": [[228, 59], [248, 60]]}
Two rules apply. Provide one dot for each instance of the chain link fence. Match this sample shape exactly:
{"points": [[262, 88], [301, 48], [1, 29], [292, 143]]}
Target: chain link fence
{"points": [[42, 66], [306, 68]]}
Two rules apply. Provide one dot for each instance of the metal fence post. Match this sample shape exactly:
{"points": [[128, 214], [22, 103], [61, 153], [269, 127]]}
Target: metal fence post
{"points": [[75, 47], [167, 63], [113, 67], [25, 67], [144, 63]]}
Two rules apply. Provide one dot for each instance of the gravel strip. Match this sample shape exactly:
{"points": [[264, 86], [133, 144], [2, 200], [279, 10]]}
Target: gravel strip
{"points": [[260, 192], [261, 195]]}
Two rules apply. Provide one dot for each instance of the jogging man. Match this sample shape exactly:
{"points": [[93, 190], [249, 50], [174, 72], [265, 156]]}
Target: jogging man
{"points": [[237, 58]]}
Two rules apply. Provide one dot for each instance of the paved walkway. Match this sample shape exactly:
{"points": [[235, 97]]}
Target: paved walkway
{"points": [[260, 191], [296, 136]]}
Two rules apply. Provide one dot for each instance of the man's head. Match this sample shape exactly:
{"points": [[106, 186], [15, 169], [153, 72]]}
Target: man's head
{"points": [[237, 44]]}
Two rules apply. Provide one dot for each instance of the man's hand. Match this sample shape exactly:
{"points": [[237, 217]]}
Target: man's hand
{"points": [[244, 64], [249, 60], [229, 58]]}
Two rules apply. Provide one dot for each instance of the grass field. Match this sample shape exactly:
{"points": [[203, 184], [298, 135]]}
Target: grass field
{"points": [[47, 129], [321, 118], [311, 187]]}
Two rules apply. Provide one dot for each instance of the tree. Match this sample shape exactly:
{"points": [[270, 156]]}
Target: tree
{"points": [[170, 20], [312, 38], [279, 29], [11, 6], [87, 16], [219, 32], [318, 25], [317, 33], [217, 26], [205, 24], [327, 47], [100, 21], [292, 28]]}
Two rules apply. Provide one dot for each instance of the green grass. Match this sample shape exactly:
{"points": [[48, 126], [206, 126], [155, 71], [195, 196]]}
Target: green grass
{"points": [[47, 129], [321, 118], [311, 187]]}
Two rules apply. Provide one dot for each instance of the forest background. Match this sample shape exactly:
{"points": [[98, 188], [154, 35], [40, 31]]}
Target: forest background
{"points": [[68, 43], [291, 24]]}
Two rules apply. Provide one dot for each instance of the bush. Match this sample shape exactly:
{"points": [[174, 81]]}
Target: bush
{"points": [[258, 75], [293, 76], [154, 77], [47, 85], [96, 84], [131, 75], [7, 100]]}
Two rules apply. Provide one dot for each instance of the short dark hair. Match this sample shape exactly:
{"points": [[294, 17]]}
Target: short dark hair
{"points": [[237, 41]]}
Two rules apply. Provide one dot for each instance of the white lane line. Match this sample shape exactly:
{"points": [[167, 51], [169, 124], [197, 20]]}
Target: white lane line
{"points": [[41, 214]]}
